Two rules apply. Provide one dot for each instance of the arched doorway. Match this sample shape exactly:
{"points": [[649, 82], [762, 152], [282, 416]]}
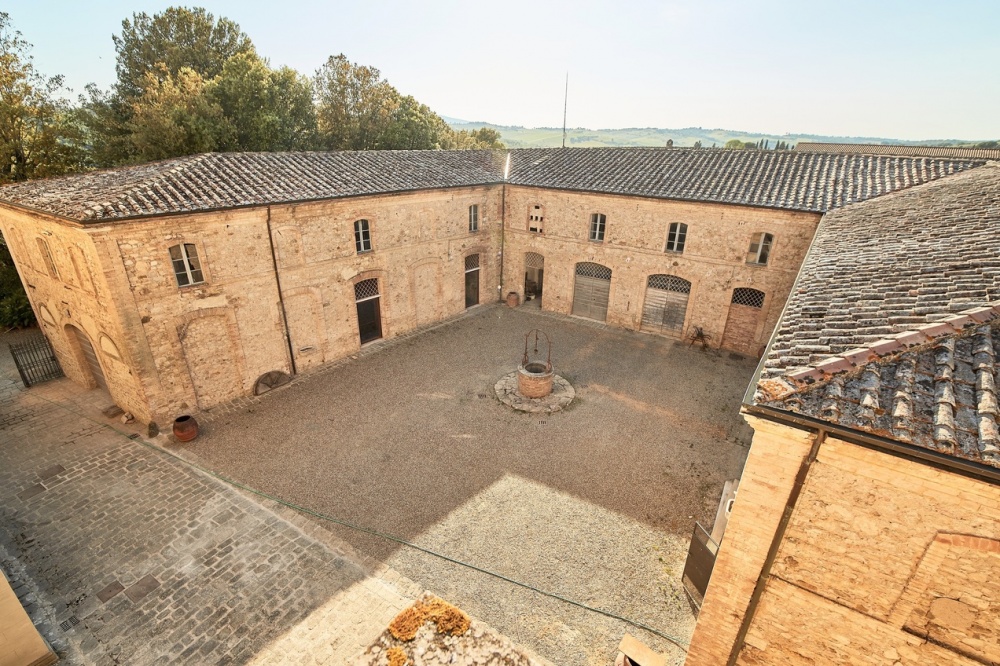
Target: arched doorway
{"points": [[744, 318], [89, 356], [534, 276], [665, 305], [591, 291], [366, 297]]}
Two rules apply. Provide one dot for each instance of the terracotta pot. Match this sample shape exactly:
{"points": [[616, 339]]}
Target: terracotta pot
{"points": [[185, 428], [513, 300]]}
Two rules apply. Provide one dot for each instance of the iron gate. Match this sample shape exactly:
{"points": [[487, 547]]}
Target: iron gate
{"points": [[35, 360]]}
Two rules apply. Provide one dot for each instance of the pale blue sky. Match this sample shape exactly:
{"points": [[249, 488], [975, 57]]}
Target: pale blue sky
{"points": [[907, 69]]}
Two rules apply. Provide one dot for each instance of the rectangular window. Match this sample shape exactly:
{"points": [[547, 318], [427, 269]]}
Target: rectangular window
{"points": [[362, 236], [536, 219], [187, 268], [473, 218], [760, 248], [676, 237], [598, 221]]}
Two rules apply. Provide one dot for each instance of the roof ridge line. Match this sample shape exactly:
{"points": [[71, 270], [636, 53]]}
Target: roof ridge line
{"points": [[778, 388]]}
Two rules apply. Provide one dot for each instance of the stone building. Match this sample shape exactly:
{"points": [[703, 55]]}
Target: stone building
{"points": [[185, 283], [867, 525]]}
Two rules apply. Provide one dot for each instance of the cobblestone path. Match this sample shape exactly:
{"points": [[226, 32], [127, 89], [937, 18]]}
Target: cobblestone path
{"points": [[124, 555]]}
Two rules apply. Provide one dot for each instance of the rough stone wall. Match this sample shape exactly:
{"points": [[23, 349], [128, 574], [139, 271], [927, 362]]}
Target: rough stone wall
{"points": [[775, 457], [880, 553], [419, 245], [713, 260], [78, 295], [205, 343], [884, 561]]}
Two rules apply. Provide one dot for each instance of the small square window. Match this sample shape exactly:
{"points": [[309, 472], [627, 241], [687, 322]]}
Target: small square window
{"points": [[598, 222], [760, 248], [676, 237], [473, 218], [187, 267], [362, 236]]}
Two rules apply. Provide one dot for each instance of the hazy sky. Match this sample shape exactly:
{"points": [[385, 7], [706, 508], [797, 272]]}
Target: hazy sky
{"points": [[909, 69]]}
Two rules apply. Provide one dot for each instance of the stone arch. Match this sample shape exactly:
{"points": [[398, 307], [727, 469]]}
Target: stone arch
{"points": [[210, 346], [665, 304], [86, 358]]}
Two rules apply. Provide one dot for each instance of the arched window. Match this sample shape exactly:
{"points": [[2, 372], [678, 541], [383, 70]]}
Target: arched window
{"points": [[362, 236], [750, 297], [187, 267]]}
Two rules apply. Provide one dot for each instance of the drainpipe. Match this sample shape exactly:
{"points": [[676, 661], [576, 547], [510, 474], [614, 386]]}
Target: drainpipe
{"points": [[281, 299], [503, 222]]}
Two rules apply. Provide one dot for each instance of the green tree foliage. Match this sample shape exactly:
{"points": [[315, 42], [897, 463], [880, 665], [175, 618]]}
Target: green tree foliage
{"points": [[175, 116], [264, 109], [15, 311], [39, 133], [174, 39], [734, 144], [355, 106]]}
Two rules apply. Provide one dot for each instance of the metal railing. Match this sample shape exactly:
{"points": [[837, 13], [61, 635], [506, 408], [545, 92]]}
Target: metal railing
{"points": [[35, 360]]}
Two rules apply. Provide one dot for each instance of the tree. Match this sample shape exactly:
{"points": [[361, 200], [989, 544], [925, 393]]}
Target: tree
{"points": [[734, 144], [264, 109], [15, 310], [355, 105], [175, 116], [174, 39], [697, 144], [39, 134]]}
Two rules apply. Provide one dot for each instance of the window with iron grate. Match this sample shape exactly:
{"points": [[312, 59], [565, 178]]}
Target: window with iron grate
{"points": [[472, 263], [598, 223], [749, 297], [473, 218], [366, 289], [187, 267], [676, 237], [760, 248], [669, 283], [362, 236]]}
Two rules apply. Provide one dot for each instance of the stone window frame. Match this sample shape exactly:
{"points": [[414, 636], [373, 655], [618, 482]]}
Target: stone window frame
{"points": [[536, 218], [676, 237], [598, 227], [47, 258], [761, 248], [192, 272], [363, 236], [473, 218]]}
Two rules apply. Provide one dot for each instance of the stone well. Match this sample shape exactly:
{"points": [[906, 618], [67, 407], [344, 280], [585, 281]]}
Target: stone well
{"points": [[534, 379]]}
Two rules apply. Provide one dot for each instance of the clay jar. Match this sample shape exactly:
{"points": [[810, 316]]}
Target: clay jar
{"points": [[185, 428]]}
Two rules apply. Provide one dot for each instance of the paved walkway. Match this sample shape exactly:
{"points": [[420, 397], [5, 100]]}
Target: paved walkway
{"points": [[123, 555]]}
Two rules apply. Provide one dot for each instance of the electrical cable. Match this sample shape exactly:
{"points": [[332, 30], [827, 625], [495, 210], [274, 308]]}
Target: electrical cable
{"points": [[373, 532]]}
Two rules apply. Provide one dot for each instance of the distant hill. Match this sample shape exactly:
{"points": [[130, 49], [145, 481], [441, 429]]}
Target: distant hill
{"points": [[550, 137]]}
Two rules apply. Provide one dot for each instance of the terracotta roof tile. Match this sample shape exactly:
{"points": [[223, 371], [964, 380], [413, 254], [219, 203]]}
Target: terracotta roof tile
{"points": [[776, 179]]}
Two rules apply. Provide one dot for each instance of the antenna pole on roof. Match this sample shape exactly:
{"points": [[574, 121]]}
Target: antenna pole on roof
{"points": [[565, 103]]}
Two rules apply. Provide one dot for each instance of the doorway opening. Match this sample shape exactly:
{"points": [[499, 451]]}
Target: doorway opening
{"points": [[367, 299]]}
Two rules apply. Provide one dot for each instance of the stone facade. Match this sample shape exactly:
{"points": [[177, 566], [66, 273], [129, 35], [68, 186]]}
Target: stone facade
{"points": [[884, 560], [167, 349], [713, 261]]}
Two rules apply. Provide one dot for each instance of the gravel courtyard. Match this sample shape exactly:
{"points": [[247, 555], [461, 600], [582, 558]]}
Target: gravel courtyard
{"points": [[595, 503]]}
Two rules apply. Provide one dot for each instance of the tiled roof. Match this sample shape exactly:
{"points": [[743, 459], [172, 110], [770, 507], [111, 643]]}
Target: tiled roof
{"points": [[908, 151], [225, 180], [887, 265], [870, 338], [770, 178], [935, 387], [777, 179]]}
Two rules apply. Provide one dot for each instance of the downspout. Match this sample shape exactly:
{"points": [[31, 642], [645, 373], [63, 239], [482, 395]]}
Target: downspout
{"points": [[503, 221], [772, 553], [281, 298]]}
